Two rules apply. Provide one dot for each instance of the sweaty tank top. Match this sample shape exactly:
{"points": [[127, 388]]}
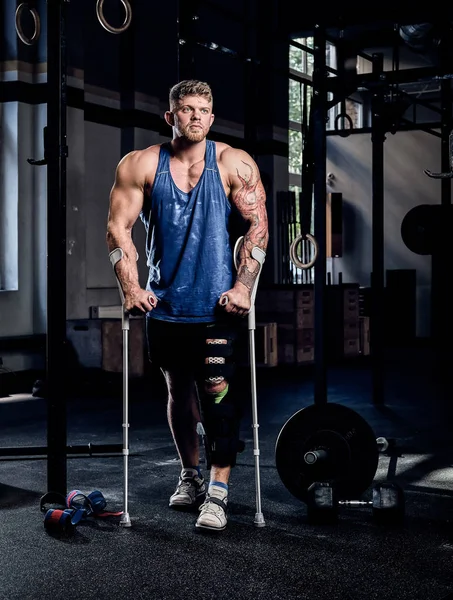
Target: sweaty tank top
{"points": [[187, 243]]}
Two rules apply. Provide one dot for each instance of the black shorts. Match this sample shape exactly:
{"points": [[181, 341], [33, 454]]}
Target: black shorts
{"points": [[183, 345]]}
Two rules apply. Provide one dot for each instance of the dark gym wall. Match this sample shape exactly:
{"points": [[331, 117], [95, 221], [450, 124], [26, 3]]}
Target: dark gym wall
{"points": [[405, 157], [117, 94]]}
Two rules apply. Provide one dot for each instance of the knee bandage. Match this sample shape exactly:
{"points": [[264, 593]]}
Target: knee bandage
{"points": [[216, 356], [221, 421], [221, 415]]}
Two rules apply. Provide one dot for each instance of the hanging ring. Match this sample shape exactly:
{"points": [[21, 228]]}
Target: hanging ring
{"points": [[102, 20], [293, 251], [343, 131], [37, 21]]}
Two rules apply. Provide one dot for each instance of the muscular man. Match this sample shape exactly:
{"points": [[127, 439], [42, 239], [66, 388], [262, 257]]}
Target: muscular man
{"points": [[184, 191]]}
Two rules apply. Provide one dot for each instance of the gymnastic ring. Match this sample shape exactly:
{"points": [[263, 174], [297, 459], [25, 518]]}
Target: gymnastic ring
{"points": [[293, 254], [344, 131], [37, 21], [102, 20]]}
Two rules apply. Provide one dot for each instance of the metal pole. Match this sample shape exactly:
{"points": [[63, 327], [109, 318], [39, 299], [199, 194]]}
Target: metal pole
{"points": [[125, 518], [56, 152], [127, 87], [187, 18], [319, 106], [42, 451], [259, 518], [377, 322], [441, 317], [249, 82], [440, 320]]}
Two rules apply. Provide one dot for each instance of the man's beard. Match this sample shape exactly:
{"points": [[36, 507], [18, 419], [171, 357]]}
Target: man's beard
{"points": [[193, 135]]}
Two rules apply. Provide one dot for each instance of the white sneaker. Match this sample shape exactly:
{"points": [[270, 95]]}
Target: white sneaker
{"points": [[213, 514], [190, 490]]}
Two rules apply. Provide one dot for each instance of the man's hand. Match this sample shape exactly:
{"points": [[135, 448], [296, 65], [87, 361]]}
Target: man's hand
{"points": [[237, 300], [139, 301]]}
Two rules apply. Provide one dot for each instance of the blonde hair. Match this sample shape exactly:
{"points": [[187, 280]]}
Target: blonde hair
{"points": [[189, 87]]}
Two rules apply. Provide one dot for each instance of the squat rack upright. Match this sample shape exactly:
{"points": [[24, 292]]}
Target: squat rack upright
{"points": [[55, 155], [320, 107]]}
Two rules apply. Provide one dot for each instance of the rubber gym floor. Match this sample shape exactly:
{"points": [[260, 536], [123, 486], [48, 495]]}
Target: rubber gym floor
{"points": [[162, 556]]}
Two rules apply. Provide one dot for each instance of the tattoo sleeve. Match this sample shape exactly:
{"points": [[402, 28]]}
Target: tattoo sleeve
{"points": [[250, 201]]}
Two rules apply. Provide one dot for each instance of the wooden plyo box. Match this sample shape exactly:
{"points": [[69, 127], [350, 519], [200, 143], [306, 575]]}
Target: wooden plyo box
{"points": [[112, 346], [266, 350]]}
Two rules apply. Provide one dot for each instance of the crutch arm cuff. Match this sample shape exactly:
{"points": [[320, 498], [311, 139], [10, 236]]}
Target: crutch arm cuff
{"points": [[115, 256], [258, 254]]}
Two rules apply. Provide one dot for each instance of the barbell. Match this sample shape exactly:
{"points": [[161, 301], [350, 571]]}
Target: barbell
{"points": [[331, 448]]}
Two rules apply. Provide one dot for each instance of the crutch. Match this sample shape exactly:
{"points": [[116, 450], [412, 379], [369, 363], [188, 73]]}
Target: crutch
{"points": [[115, 256], [259, 255]]}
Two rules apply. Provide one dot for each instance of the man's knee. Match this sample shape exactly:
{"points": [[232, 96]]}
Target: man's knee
{"points": [[221, 413], [221, 417], [217, 389]]}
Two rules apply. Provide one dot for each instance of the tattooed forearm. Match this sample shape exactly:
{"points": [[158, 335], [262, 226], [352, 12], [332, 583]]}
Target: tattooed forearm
{"points": [[246, 277], [250, 200]]}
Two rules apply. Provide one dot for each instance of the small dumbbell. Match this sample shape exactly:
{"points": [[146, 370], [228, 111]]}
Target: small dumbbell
{"points": [[388, 503]]}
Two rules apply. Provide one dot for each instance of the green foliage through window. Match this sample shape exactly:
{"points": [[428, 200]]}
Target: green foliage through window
{"points": [[295, 152]]}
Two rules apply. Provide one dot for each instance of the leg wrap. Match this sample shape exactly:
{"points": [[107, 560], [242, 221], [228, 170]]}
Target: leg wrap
{"points": [[220, 413], [218, 357], [221, 423]]}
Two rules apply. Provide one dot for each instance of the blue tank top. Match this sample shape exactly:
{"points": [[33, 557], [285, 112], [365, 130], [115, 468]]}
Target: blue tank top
{"points": [[188, 245]]}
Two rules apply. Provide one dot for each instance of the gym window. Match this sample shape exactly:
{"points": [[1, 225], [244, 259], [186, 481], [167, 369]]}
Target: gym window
{"points": [[9, 196], [300, 93]]}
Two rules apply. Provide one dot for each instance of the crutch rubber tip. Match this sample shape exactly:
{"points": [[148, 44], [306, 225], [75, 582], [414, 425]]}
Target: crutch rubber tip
{"points": [[259, 520], [125, 520]]}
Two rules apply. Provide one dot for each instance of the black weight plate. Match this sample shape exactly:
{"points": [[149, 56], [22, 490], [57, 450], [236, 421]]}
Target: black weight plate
{"points": [[350, 444], [418, 229]]}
